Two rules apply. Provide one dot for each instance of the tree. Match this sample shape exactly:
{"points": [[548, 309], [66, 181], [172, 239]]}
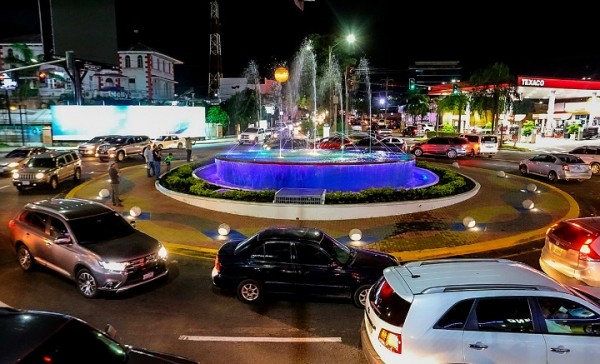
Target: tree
{"points": [[417, 105], [216, 115], [23, 56], [494, 91], [454, 103], [241, 108]]}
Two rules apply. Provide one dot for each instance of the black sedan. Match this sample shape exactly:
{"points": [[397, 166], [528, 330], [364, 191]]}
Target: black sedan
{"points": [[29, 336], [297, 260]]}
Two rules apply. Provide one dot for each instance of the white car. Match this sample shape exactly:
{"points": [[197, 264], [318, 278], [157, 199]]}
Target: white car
{"points": [[477, 311], [591, 155], [556, 166], [169, 141]]}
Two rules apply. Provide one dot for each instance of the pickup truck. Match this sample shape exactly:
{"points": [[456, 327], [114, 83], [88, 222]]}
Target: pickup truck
{"points": [[252, 136]]}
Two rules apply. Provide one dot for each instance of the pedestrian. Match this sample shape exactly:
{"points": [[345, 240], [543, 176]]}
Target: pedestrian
{"points": [[188, 149], [157, 156], [168, 160], [115, 180], [149, 162]]}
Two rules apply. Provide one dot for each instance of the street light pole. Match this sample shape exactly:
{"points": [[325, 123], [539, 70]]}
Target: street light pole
{"points": [[350, 38]]}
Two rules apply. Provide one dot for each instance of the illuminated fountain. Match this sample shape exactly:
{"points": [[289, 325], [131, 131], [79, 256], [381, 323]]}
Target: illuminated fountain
{"points": [[332, 170]]}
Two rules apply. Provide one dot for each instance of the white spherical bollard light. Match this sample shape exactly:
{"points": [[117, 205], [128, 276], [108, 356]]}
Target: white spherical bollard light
{"points": [[355, 234], [469, 222], [531, 187], [104, 193], [135, 211], [528, 204], [224, 229], [501, 174], [455, 165]]}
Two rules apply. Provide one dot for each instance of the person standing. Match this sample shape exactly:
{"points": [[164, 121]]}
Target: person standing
{"points": [[157, 157], [168, 160], [149, 162], [115, 180], [188, 149]]}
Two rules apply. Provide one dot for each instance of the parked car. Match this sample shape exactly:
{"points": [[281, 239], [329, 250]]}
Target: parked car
{"points": [[122, 147], [34, 336], [16, 157], [556, 166], [296, 143], [590, 154], [451, 147], [384, 132], [410, 131], [297, 260], [372, 144], [395, 141], [87, 242], [572, 248], [168, 141], [477, 311], [48, 169], [90, 148]]}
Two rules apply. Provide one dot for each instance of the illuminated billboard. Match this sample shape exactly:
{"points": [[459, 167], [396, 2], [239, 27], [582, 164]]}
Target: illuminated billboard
{"points": [[86, 122]]}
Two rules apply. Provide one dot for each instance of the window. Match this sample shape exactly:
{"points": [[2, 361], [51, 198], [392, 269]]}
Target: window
{"points": [[562, 316], [140, 62], [504, 315], [57, 228], [456, 317], [127, 62], [311, 255], [572, 236], [35, 220], [273, 251]]}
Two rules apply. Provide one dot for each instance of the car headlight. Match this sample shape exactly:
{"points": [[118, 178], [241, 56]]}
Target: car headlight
{"points": [[15, 175], [114, 266], [162, 253], [40, 175]]}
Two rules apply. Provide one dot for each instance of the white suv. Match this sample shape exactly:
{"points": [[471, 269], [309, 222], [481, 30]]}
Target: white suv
{"points": [[477, 311]]}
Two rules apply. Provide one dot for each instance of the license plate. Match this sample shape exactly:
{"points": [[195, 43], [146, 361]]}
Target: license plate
{"points": [[556, 250], [148, 275], [25, 183]]}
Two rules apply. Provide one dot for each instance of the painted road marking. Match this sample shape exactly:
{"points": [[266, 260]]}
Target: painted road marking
{"points": [[263, 339]]}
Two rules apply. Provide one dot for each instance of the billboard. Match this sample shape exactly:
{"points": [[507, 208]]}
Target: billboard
{"points": [[72, 122]]}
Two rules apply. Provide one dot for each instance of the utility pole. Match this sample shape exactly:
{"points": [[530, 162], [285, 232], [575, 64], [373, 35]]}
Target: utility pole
{"points": [[387, 80], [73, 71], [215, 71]]}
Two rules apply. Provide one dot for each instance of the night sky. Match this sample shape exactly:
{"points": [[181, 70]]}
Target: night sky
{"points": [[540, 40]]}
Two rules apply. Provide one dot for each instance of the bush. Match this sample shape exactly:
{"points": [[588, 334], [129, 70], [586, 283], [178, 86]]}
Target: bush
{"points": [[451, 183]]}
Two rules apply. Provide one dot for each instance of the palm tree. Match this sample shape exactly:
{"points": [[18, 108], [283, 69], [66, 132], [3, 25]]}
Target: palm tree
{"points": [[454, 103], [417, 105], [23, 56], [494, 90]]}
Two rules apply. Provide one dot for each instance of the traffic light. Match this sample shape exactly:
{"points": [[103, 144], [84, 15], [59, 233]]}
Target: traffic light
{"points": [[411, 84], [42, 77], [455, 90], [351, 78]]}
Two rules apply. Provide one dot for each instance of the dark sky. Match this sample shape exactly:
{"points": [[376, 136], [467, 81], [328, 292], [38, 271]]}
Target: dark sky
{"points": [[542, 39]]}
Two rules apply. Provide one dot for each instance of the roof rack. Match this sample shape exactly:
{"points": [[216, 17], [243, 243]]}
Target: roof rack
{"points": [[487, 287]]}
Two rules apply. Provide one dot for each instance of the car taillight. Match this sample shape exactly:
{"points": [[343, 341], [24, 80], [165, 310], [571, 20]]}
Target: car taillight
{"points": [[11, 224], [587, 253], [391, 341], [217, 264], [565, 168]]}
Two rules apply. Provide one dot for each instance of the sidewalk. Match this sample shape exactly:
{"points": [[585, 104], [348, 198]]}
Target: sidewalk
{"points": [[501, 220]]}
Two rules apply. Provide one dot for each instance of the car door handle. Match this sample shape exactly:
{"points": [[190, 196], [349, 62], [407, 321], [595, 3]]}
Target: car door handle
{"points": [[560, 349], [478, 346]]}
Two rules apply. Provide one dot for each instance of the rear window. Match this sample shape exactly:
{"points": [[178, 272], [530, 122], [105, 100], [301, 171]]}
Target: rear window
{"points": [[489, 139], [571, 235], [472, 138], [459, 141], [387, 305]]}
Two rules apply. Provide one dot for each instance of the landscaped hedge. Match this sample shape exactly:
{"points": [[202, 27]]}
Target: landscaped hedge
{"points": [[451, 183]]}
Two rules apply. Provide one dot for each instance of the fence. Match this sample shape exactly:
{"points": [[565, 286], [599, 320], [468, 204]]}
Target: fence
{"points": [[304, 196]]}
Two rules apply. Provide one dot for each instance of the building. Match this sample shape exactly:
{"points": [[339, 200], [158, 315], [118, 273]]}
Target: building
{"points": [[143, 74], [429, 73]]}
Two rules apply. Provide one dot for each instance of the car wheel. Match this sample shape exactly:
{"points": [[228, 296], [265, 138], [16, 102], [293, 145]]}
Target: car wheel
{"points": [[77, 175], [552, 177], [451, 154], [24, 258], [595, 168], [418, 152], [523, 169], [360, 296], [121, 156], [249, 291], [86, 283], [54, 183]]}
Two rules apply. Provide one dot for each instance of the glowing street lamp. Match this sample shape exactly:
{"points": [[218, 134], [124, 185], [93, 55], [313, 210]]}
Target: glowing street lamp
{"points": [[281, 75]]}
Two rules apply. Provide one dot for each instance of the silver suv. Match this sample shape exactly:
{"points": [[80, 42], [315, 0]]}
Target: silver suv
{"points": [[48, 169], [88, 243], [122, 147], [477, 311]]}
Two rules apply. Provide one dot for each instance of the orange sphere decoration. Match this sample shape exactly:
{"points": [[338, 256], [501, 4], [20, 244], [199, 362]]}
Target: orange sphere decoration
{"points": [[281, 74]]}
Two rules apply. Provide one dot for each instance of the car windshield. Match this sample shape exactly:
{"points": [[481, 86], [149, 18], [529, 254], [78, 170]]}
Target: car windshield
{"points": [[41, 163], [17, 154], [76, 342], [96, 139], [94, 229], [251, 130], [160, 138]]}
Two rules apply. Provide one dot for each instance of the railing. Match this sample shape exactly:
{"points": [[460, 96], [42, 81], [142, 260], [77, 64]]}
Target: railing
{"points": [[303, 196]]}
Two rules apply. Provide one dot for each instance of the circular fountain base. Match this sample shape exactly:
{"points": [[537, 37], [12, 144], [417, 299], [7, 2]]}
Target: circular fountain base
{"points": [[332, 170]]}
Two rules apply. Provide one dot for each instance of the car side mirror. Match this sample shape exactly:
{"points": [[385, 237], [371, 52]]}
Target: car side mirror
{"points": [[110, 331], [65, 239]]}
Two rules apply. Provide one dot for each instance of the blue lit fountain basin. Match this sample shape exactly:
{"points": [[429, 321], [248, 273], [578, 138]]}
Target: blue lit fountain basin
{"points": [[333, 170]]}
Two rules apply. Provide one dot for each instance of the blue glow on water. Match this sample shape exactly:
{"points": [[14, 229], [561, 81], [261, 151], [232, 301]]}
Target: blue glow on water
{"points": [[332, 170]]}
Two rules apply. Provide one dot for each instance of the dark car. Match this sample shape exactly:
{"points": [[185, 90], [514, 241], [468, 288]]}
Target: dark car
{"points": [[451, 147], [297, 260], [30, 336]]}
